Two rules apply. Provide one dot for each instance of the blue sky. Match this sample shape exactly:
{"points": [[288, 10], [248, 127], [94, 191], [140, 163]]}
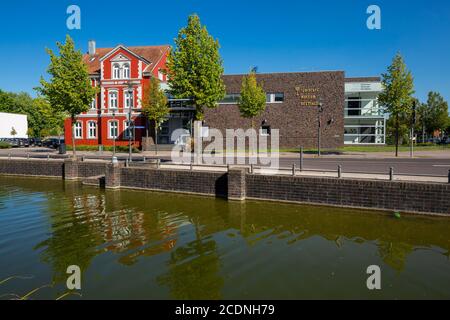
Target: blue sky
{"points": [[276, 36]]}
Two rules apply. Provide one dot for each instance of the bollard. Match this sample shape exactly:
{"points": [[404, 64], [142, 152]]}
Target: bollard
{"points": [[191, 166], [448, 176], [82, 159], [144, 160], [158, 163], [293, 169], [301, 158], [391, 174], [251, 169], [228, 168], [339, 171], [28, 156], [48, 157]]}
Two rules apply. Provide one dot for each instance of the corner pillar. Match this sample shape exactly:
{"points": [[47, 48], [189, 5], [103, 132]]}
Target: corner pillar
{"points": [[112, 176], [236, 183]]}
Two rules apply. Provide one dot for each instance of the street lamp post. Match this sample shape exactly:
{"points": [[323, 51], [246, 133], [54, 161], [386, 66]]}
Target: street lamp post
{"points": [[114, 133], [319, 124]]}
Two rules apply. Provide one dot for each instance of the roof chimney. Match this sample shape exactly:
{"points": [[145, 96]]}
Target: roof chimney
{"points": [[91, 46]]}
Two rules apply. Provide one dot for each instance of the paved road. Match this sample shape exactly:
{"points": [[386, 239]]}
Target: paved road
{"points": [[419, 166]]}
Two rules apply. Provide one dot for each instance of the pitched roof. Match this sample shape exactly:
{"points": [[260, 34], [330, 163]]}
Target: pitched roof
{"points": [[149, 53]]}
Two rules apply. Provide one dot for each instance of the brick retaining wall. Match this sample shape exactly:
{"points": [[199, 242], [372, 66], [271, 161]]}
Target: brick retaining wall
{"points": [[239, 184], [32, 167], [202, 182], [387, 195]]}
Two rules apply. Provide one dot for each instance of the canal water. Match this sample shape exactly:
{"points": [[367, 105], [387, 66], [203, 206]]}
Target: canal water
{"points": [[146, 245]]}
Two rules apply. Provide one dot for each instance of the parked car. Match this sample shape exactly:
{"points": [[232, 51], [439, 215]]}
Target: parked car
{"points": [[444, 141], [24, 142], [13, 142], [52, 143], [35, 142]]}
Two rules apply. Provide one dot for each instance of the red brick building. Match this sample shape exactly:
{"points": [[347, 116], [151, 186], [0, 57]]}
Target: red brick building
{"points": [[115, 71]]}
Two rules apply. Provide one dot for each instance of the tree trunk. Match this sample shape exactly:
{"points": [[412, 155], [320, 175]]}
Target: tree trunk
{"points": [[147, 124], [397, 129], [74, 152], [156, 138]]}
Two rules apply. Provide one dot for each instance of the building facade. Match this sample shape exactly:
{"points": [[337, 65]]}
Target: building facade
{"points": [[365, 120], [121, 75], [301, 105]]}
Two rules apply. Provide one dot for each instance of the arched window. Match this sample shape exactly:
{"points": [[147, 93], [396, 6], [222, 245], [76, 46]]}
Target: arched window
{"points": [[94, 103], [129, 99], [116, 71], [113, 97], [78, 130], [126, 71]]}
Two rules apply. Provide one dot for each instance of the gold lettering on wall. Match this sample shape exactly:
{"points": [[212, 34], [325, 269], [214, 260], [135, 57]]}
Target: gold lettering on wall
{"points": [[308, 96]]}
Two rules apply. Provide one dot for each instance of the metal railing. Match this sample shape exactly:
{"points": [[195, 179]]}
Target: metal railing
{"points": [[293, 170]]}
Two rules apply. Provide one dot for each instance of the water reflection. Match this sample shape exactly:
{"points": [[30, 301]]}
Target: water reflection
{"points": [[201, 248]]}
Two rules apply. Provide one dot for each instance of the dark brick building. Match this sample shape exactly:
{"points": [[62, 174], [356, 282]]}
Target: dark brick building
{"points": [[292, 108]]}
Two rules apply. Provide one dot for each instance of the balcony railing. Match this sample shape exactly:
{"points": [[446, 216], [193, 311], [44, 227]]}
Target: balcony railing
{"points": [[363, 108]]}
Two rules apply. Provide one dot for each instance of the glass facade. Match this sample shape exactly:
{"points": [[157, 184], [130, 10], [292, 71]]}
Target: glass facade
{"points": [[365, 121]]}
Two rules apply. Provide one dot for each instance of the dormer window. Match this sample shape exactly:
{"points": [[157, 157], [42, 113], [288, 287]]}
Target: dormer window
{"points": [[116, 71], [126, 71]]}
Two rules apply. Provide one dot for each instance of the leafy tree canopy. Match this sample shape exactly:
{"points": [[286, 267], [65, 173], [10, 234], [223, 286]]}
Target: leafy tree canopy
{"points": [[195, 67], [253, 98]]}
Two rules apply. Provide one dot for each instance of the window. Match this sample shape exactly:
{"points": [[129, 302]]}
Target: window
{"points": [[128, 99], [113, 99], [116, 71], [265, 130], [94, 104], [275, 97], [127, 130], [92, 129], [354, 106], [126, 71], [279, 97], [113, 129], [231, 98], [160, 75], [78, 130]]}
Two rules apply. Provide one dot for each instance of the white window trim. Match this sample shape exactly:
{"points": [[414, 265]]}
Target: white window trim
{"points": [[109, 129], [81, 130], [123, 71], [89, 129], [117, 99], [125, 93], [94, 103], [113, 69], [125, 130]]}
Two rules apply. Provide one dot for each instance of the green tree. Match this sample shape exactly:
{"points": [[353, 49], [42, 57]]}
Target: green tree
{"points": [[253, 98], [195, 67], [69, 89], [154, 106], [437, 111], [397, 94]]}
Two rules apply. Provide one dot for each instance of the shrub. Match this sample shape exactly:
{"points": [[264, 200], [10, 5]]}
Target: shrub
{"points": [[4, 145]]}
